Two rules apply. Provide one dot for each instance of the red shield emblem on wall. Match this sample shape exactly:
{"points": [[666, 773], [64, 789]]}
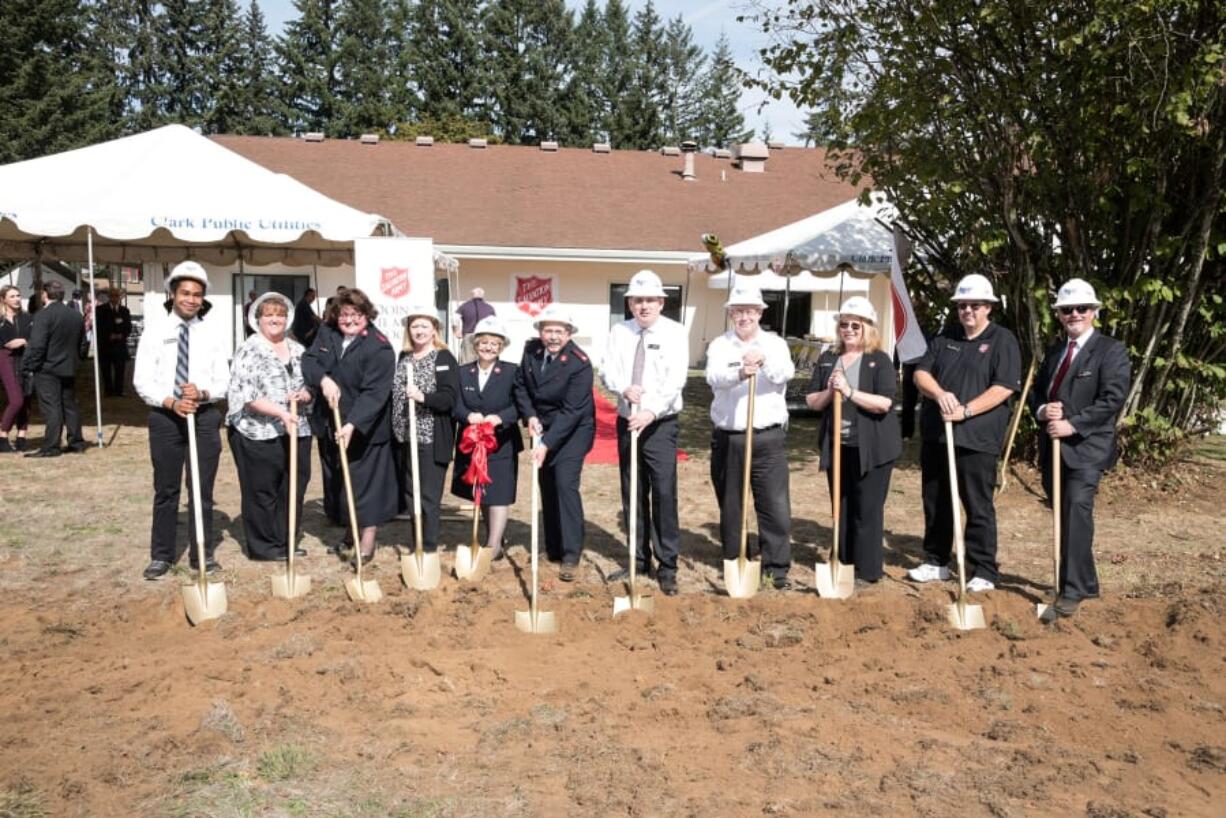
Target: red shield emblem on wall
{"points": [[533, 293], [394, 281]]}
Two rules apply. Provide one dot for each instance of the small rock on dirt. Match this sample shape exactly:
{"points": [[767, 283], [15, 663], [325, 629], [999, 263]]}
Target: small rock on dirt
{"points": [[782, 636], [1208, 758], [1097, 809]]}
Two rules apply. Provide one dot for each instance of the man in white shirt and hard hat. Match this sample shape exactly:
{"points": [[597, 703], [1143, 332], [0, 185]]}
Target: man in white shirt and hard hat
{"points": [[645, 364], [743, 351], [971, 369], [1077, 399]]}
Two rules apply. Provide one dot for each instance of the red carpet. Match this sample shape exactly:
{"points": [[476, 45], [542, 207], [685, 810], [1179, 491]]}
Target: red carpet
{"points": [[604, 449]]}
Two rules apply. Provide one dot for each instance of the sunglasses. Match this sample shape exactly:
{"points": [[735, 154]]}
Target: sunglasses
{"points": [[971, 305], [1080, 309], [852, 325]]}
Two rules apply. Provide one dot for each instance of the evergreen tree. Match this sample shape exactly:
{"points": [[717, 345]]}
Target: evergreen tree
{"points": [[221, 60], [258, 109], [527, 47], [818, 130], [684, 62], [140, 25], [721, 122], [582, 114], [363, 66], [444, 59], [307, 56], [648, 87], [180, 45], [400, 97], [616, 76]]}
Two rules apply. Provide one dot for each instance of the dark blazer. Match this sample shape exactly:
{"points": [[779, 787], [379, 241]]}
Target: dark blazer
{"points": [[560, 397], [113, 321], [442, 402], [498, 398], [55, 340], [1093, 392], [879, 438], [364, 375]]}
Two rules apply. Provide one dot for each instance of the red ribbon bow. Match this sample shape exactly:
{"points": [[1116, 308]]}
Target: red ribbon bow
{"points": [[478, 440]]}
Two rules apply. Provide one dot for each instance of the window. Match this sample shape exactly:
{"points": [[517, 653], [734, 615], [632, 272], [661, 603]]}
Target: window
{"points": [[619, 308]]}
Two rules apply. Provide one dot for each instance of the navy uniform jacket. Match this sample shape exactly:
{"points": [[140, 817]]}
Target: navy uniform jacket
{"points": [[1093, 392], [498, 398], [112, 321], [55, 339], [561, 397], [364, 375]]}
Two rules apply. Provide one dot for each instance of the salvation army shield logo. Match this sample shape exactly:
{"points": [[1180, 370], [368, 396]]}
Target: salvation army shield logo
{"points": [[533, 293], [394, 281]]}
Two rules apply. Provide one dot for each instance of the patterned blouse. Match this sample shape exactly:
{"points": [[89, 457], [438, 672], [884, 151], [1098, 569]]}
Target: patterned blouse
{"points": [[423, 378], [257, 373]]}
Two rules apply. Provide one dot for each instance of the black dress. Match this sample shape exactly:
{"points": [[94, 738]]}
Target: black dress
{"points": [[497, 398]]}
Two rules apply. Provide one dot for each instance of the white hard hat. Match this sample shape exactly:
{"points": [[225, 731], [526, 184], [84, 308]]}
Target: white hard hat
{"points": [[974, 287], [422, 311], [187, 269], [492, 325], [745, 294], [1076, 292], [860, 307], [645, 284], [555, 313], [254, 322]]}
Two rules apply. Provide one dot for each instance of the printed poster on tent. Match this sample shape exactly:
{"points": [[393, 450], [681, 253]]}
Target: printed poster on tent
{"points": [[397, 274]]}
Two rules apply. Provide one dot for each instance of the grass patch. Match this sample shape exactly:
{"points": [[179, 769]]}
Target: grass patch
{"points": [[285, 762], [22, 800]]}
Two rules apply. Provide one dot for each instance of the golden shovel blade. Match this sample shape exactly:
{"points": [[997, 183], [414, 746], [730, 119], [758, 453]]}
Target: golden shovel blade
{"points": [[363, 590], [633, 602], [204, 601], [472, 562], [542, 622], [965, 617], [421, 572], [834, 581], [742, 578], [285, 586]]}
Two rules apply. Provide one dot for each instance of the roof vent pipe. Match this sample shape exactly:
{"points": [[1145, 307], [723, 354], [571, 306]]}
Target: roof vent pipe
{"points": [[477, 142], [425, 141], [689, 148], [369, 139], [600, 147], [313, 136]]}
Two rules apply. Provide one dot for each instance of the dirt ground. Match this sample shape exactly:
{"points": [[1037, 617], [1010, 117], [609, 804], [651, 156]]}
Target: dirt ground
{"points": [[433, 704]]}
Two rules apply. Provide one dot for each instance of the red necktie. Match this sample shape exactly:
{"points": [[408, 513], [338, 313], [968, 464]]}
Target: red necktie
{"points": [[1062, 371]]}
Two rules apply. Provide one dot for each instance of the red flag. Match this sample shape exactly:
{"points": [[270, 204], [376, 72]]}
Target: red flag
{"points": [[908, 337]]}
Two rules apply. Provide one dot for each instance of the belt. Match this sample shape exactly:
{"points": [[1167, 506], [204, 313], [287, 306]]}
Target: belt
{"points": [[756, 429]]}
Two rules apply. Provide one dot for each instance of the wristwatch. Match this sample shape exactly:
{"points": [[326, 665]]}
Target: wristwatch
{"points": [[967, 413]]}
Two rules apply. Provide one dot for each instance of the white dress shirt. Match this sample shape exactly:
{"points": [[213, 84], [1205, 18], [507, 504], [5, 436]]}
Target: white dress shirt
{"points": [[730, 401], [665, 366], [158, 352]]}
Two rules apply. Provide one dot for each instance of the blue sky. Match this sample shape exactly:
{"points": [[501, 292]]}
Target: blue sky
{"points": [[707, 18]]}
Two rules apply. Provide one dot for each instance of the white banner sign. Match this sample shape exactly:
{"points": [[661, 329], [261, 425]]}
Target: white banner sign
{"points": [[397, 274]]}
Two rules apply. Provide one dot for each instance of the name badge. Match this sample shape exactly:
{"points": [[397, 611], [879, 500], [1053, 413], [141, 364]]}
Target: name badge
{"points": [[953, 347], [442, 368], [1084, 374], [734, 364], [170, 340], [653, 346]]}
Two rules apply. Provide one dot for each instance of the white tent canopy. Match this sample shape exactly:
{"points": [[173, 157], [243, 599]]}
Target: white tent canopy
{"points": [[170, 194], [849, 237]]}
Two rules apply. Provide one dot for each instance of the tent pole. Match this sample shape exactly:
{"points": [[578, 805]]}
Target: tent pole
{"points": [[787, 297], [93, 335]]}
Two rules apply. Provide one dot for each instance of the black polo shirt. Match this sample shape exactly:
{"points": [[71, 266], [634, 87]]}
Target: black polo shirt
{"points": [[967, 368]]}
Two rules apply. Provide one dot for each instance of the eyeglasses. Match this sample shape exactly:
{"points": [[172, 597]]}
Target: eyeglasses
{"points": [[971, 305], [349, 317], [1080, 309], [852, 325]]}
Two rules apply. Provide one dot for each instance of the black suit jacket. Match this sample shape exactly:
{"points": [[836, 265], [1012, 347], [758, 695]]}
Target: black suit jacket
{"points": [[113, 322], [878, 436], [364, 375], [1092, 392], [55, 340], [560, 397], [498, 398]]}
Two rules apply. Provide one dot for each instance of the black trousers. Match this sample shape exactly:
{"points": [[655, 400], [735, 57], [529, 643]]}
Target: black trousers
{"points": [[112, 367], [976, 482], [910, 397], [432, 476], [168, 450], [562, 504], [263, 480], [770, 487], [1078, 487], [861, 513], [58, 403], [657, 489]]}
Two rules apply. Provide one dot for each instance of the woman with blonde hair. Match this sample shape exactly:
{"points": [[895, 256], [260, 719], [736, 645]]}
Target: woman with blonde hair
{"points": [[864, 375], [14, 333], [429, 375]]}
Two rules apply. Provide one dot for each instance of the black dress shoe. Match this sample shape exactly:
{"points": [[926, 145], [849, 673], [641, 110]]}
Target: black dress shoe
{"points": [[44, 453], [1066, 606], [668, 584], [568, 573], [299, 551], [780, 582], [76, 448], [157, 569], [5, 446], [624, 573], [211, 566], [20, 445]]}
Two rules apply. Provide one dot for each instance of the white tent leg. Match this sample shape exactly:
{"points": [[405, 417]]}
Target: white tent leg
{"points": [[93, 335]]}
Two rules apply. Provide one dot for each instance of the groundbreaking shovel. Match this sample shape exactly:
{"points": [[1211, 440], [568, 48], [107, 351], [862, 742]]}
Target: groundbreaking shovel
{"points": [[534, 620], [743, 575], [472, 562], [290, 584], [202, 599], [635, 601], [359, 590], [962, 616], [420, 571], [1041, 608], [834, 579]]}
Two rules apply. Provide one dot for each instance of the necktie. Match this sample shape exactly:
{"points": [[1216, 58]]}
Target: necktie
{"points": [[640, 360], [181, 374], [1062, 371], [545, 363]]}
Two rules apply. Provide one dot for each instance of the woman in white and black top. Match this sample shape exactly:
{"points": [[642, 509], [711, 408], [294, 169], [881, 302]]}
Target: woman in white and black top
{"points": [[857, 369], [265, 374], [429, 375]]}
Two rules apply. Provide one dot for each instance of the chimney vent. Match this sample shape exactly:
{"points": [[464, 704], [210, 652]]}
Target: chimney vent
{"points": [[313, 136], [370, 139], [775, 145], [751, 156], [425, 141], [670, 150], [549, 146], [689, 148], [477, 142], [723, 153], [601, 147]]}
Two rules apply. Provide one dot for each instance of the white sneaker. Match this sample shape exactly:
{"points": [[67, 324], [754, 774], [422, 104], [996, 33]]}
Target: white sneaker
{"points": [[928, 573], [978, 585]]}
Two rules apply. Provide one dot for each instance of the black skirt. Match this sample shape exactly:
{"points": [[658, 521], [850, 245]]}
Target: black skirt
{"points": [[503, 467], [372, 470]]}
